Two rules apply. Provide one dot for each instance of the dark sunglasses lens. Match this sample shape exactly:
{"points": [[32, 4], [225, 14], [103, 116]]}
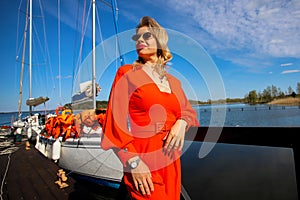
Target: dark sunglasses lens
{"points": [[145, 36], [135, 37]]}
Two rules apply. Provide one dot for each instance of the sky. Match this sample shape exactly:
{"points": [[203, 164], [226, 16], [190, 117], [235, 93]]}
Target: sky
{"points": [[221, 49]]}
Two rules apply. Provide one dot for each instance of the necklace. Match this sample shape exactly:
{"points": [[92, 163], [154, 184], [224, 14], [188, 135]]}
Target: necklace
{"points": [[161, 78], [160, 81], [155, 75]]}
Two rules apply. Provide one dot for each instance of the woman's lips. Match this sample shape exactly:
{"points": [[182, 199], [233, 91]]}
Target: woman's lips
{"points": [[141, 46]]}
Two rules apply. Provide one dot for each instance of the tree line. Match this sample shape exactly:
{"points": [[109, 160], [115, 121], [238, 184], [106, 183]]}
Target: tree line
{"points": [[270, 93]]}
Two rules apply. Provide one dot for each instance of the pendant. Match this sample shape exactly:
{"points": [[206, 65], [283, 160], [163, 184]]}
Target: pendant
{"points": [[161, 79]]}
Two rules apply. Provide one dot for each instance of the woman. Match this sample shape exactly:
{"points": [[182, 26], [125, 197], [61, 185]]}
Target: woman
{"points": [[154, 105]]}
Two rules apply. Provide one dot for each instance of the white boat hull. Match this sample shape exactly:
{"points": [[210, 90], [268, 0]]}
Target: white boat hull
{"points": [[84, 156], [49, 147], [18, 124]]}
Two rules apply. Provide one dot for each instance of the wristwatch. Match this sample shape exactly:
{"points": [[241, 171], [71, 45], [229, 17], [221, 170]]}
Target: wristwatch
{"points": [[135, 163]]}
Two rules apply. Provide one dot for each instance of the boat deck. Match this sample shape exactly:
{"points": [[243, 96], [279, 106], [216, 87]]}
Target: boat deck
{"points": [[27, 174]]}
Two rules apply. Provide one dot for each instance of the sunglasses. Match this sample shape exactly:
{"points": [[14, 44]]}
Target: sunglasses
{"points": [[145, 36]]}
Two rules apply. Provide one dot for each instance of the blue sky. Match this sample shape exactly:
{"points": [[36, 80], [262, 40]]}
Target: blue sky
{"points": [[251, 44]]}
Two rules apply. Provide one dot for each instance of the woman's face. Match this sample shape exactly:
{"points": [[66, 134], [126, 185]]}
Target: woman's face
{"points": [[146, 45]]}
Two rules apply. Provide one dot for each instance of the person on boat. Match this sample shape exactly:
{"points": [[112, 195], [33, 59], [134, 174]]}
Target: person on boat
{"points": [[88, 122], [158, 112]]}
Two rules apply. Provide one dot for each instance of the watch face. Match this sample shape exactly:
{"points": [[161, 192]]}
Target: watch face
{"points": [[133, 165]]}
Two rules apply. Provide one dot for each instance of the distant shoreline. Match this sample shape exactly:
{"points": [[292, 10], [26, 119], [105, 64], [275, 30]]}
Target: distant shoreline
{"points": [[289, 101]]}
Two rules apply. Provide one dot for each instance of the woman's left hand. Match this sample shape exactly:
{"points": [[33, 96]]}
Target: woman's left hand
{"points": [[175, 138]]}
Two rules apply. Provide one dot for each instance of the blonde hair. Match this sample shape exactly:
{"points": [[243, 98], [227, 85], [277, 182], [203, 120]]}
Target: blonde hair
{"points": [[163, 53]]}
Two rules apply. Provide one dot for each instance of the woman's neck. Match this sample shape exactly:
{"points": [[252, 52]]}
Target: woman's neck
{"points": [[151, 59], [149, 64]]}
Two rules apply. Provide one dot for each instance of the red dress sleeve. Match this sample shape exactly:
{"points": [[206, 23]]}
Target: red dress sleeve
{"points": [[116, 133], [187, 112]]}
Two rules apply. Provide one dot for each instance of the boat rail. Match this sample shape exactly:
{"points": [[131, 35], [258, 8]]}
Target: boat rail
{"points": [[264, 162]]}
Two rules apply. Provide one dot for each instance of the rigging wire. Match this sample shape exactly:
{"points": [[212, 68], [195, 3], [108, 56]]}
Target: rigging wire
{"points": [[100, 34], [22, 68], [17, 35], [75, 50], [41, 46], [84, 29], [58, 30], [77, 72], [115, 18], [115, 10], [115, 15], [46, 44], [77, 57]]}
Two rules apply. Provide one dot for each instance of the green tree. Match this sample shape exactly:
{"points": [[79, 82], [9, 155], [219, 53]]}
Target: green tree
{"points": [[260, 97], [290, 90], [252, 97], [267, 94], [280, 93], [274, 92]]}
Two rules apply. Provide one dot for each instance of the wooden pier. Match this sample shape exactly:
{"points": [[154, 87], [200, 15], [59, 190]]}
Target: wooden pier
{"points": [[28, 175]]}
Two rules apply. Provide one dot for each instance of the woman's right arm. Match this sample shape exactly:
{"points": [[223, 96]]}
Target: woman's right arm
{"points": [[116, 133]]}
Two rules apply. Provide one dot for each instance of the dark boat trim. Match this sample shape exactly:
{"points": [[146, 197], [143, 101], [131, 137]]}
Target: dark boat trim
{"points": [[98, 181], [260, 136]]}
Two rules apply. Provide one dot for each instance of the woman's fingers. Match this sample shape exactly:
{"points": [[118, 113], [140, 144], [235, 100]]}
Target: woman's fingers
{"points": [[142, 179], [142, 188], [173, 142], [145, 186], [175, 138], [136, 184], [169, 141], [150, 183]]}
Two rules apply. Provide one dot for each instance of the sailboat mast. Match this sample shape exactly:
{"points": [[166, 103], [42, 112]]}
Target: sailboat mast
{"points": [[30, 54], [23, 66], [94, 54]]}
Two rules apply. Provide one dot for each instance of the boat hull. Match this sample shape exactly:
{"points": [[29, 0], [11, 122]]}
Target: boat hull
{"points": [[85, 156]]}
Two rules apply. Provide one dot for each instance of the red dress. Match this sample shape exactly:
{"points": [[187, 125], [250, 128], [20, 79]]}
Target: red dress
{"points": [[138, 117]]}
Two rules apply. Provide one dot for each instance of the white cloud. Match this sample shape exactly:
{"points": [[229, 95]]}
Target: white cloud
{"points": [[290, 71], [265, 29], [64, 77], [286, 64]]}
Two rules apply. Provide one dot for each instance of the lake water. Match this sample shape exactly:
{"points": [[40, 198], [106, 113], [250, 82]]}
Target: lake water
{"points": [[229, 115], [249, 115], [6, 118]]}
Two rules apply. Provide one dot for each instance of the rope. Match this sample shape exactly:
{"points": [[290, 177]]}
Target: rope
{"points": [[7, 148], [11, 149], [3, 180]]}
